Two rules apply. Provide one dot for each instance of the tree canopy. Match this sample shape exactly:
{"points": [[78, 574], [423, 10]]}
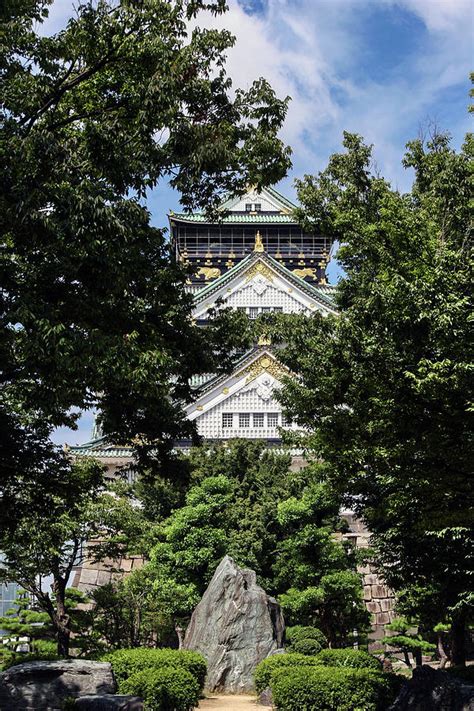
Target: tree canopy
{"points": [[93, 309], [385, 390]]}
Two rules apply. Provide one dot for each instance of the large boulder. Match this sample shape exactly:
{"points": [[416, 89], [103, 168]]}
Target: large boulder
{"points": [[434, 690], [235, 626], [109, 703], [44, 686]]}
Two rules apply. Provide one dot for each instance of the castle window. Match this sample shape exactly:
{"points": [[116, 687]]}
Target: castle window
{"points": [[227, 419], [248, 207], [253, 312], [258, 207], [272, 419], [258, 419], [244, 419]]}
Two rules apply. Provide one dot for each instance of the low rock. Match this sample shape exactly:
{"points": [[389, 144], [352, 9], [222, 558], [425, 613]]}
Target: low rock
{"points": [[434, 690], [109, 703], [43, 686], [266, 697], [235, 626]]}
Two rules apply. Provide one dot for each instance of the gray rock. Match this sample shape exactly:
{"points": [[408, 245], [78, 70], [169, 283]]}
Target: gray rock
{"points": [[43, 686], [235, 626], [109, 703], [434, 690], [266, 697]]}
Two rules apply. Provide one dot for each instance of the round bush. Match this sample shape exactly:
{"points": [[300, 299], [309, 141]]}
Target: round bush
{"points": [[266, 668], [331, 688], [126, 662], [353, 658], [298, 632], [164, 689], [308, 647]]}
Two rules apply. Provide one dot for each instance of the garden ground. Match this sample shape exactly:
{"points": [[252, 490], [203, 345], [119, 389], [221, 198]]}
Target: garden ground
{"points": [[228, 703]]}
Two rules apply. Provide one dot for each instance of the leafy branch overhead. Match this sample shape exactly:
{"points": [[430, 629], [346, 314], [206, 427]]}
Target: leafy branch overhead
{"points": [[94, 311]]}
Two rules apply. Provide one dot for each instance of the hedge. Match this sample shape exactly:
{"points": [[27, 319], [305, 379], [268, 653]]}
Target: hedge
{"points": [[126, 662], [164, 689], [266, 668], [352, 658], [299, 632], [308, 647], [330, 688]]}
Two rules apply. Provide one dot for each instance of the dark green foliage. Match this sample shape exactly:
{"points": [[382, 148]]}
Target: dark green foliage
{"points": [[351, 658], [265, 670], [126, 662], [408, 640], [386, 389], [136, 612], [50, 540], [308, 647], [335, 605], [94, 310], [329, 688], [244, 501], [298, 632], [164, 689], [27, 620]]}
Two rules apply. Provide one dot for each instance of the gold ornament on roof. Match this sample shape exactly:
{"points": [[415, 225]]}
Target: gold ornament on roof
{"points": [[258, 243], [306, 272], [209, 273], [259, 269], [264, 340], [261, 365]]}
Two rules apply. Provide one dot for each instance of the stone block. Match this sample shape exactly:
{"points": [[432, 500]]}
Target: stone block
{"points": [[379, 591], [377, 633], [387, 604], [382, 618], [373, 606], [103, 577], [367, 592], [89, 576], [370, 579]]}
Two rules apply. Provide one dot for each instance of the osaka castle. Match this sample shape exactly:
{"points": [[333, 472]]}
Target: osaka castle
{"points": [[259, 260]]}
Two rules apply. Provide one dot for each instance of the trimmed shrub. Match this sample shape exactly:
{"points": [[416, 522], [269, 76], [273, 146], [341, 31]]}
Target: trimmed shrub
{"points": [[264, 671], [298, 632], [331, 688], [308, 647], [126, 662], [352, 658], [164, 689]]}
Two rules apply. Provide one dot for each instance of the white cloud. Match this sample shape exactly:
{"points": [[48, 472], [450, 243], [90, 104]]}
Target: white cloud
{"points": [[310, 48]]}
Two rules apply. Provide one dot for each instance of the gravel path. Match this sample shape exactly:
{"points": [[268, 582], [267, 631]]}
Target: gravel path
{"points": [[229, 703]]}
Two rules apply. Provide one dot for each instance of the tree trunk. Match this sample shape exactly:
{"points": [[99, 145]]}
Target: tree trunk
{"points": [[180, 634], [443, 657], [64, 637], [61, 619], [458, 641], [418, 657]]}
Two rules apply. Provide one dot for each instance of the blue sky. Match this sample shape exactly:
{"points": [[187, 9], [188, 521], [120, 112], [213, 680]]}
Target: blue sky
{"points": [[386, 69]]}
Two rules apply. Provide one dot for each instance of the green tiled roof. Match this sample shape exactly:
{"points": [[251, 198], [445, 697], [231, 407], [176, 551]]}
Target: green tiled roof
{"points": [[258, 218], [319, 294], [100, 448]]}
